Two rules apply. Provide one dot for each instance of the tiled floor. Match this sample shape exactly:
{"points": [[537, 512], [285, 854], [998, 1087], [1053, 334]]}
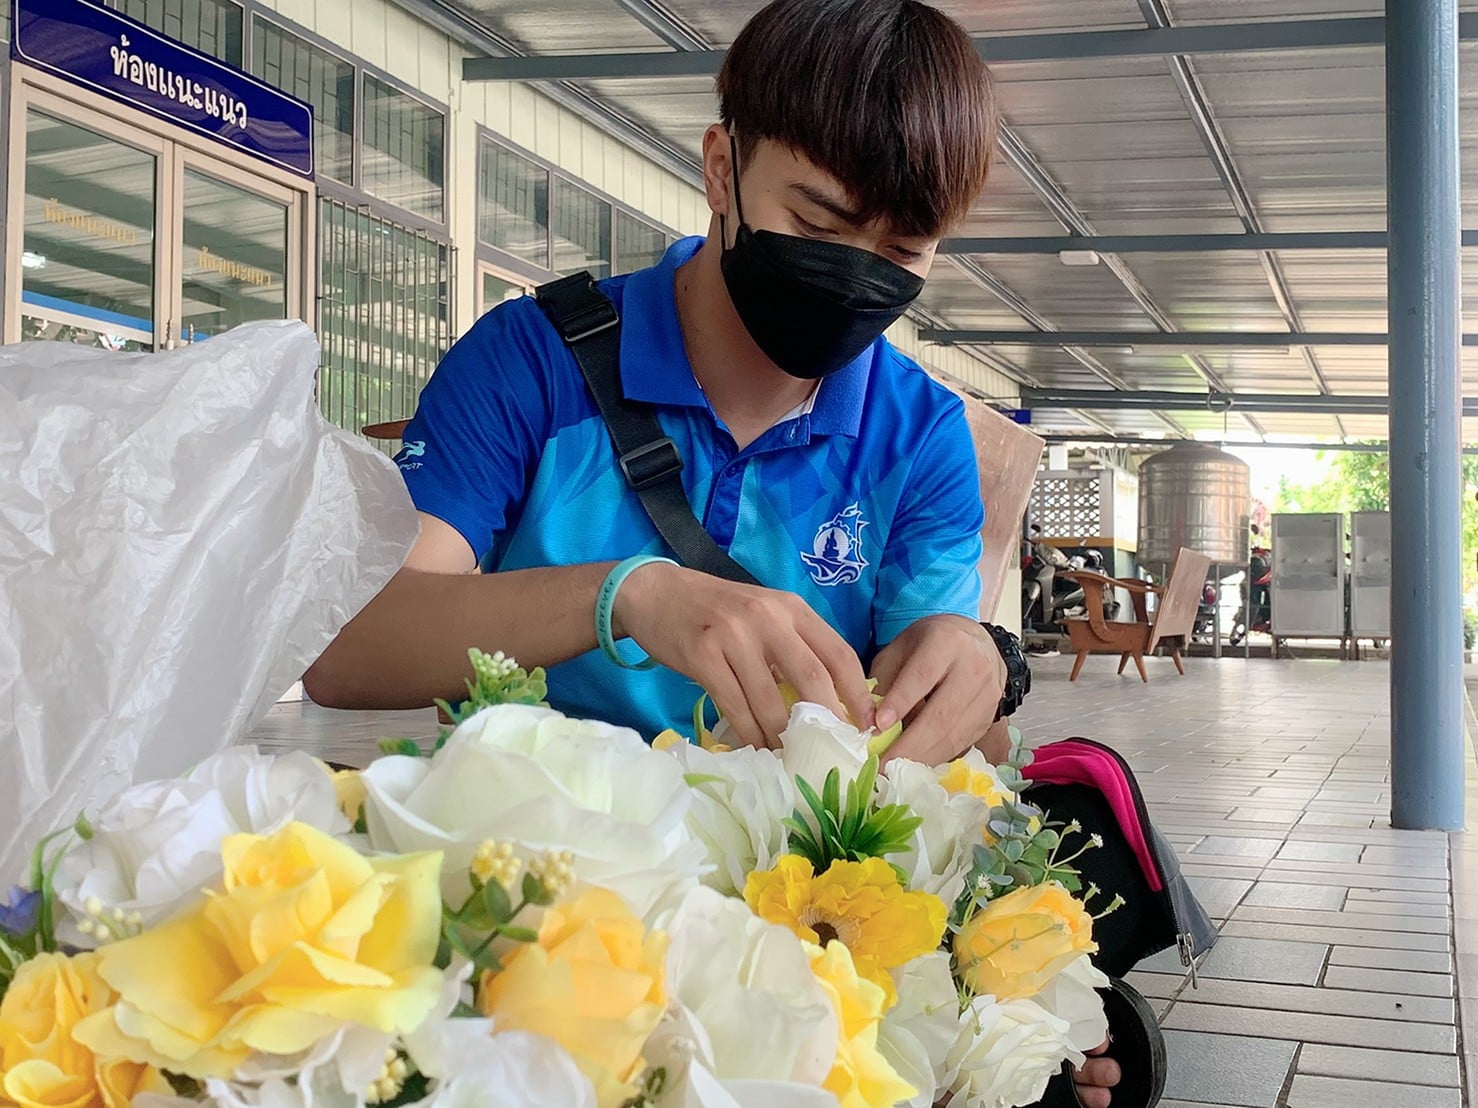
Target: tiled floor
{"points": [[1347, 972]]}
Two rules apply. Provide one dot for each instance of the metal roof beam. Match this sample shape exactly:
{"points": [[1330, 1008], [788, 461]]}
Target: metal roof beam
{"points": [[1220, 38], [1068, 438], [1177, 340], [1106, 400], [1175, 244]]}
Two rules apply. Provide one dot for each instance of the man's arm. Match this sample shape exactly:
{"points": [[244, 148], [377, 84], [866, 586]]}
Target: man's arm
{"points": [[409, 645]]}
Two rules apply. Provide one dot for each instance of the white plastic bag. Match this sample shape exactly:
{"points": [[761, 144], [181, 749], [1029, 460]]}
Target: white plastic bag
{"points": [[181, 535]]}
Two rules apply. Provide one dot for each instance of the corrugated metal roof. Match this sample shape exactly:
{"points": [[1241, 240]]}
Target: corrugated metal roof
{"points": [[1304, 132]]}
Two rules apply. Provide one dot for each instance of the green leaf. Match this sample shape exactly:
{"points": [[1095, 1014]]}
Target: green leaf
{"points": [[494, 898], [519, 934], [535, 892], [405, 748], [831, 792], [693, 780]]}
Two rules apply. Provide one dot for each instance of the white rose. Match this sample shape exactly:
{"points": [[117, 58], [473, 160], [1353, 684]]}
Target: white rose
{"points": [[747, 1022], [739, 799], [541, 781], [156, 845], [512, 1069], [1072, 996], [1005, 1054], [917, 1033], [815, 742], [941, 849]]}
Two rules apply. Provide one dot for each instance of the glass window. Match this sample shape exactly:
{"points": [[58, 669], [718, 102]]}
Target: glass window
{"points": [[513, 204], [283, 59], [404, 144], [235, 263], [210, 26], [87, 266], [385, 315], [5, 22], [638, 244], [582, 230], [497, 288]]}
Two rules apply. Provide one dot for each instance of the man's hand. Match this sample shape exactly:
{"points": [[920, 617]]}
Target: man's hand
{"points": [[1096, 1077], [944, 676], [734, 639]]}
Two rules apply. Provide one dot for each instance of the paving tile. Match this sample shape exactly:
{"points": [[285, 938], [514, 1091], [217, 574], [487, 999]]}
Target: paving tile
{"points": [[1406, 925], [1332, 819], [1333, 1092], [1156, 986], [1261, 959], [1313, 1027], [1388, 981], [1281, 894], [1413, 961], [1225, 846], [1226, 1069], [1302, 850], [1399, 896], [1379, 1065], [1397, 908], [1385, 940], [1406, 1008], [1218, 895], [1280, 816]]}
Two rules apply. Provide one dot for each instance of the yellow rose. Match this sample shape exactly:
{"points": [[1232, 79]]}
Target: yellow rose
{"points": [[593, 982], [306, 936], [1018, 943], [41, 1065], [860, 1077], [979, 781]]}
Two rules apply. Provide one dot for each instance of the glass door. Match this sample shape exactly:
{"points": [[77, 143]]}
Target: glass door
{"points": [[89, 269], [235, 252], [495, 286]]}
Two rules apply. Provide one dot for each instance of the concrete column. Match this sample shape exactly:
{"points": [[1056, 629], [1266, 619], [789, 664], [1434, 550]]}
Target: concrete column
{"points": [[1428, 744]]}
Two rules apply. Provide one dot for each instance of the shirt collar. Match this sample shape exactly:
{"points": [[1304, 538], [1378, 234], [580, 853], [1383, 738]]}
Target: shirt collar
{"points": [[654, 359]]}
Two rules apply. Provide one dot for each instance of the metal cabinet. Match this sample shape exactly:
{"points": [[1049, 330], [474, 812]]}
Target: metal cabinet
{"points": [[1370, 575], [1309, 576]]}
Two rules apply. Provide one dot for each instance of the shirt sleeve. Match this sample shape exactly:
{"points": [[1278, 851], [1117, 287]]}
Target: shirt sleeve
{"points": [[469, 454], [931, 563]]}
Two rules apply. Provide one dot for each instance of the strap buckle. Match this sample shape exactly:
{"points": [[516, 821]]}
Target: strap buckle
{"points": [[651, 463], [577, 308]]}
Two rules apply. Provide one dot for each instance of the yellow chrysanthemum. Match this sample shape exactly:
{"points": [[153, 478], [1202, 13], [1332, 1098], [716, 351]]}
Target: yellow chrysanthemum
{"points": [[860, 1077], [860, 904]]}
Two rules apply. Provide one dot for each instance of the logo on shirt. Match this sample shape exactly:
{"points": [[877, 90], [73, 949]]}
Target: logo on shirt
{"points": [[411, 450], [836, 557]]}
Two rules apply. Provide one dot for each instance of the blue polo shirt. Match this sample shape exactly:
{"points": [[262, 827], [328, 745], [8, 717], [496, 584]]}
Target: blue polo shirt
{"points": [[868, 505]]}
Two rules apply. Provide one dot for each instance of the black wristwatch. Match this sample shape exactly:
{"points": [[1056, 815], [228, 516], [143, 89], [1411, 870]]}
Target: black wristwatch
{"points": [[1018, 673]]}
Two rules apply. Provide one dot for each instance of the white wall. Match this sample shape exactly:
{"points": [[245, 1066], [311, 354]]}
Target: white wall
{"points": [[424, 59]]}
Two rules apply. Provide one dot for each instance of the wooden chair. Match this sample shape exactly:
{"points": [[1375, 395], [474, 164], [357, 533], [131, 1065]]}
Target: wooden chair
{"points": [[1175, 615], [385, 432]]}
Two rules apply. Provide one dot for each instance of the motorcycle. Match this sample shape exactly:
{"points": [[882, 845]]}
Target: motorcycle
{"points": [[1049, 595], [1256, 611]]}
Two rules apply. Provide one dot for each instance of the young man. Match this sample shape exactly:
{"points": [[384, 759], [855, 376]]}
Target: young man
{"points": [[854, 135]]}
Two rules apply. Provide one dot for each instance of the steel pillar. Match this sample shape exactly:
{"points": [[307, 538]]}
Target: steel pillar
{"points": [[1428, 744]]}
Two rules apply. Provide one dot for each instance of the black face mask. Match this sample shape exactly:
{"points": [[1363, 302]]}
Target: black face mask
{"points": [[810, 305]]}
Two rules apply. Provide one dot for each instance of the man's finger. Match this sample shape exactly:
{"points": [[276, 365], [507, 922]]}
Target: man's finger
{"points": [[761, 694], [727, 695], [1103, 1073], [920, 675], [948, 723], [848, 682]]}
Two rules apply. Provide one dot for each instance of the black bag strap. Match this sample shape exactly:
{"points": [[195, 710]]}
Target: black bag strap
{"points": [[591, 327]]}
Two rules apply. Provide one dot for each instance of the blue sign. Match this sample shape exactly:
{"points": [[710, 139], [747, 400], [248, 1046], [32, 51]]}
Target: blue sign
{"points": [[1022, 416], [121, 58]]}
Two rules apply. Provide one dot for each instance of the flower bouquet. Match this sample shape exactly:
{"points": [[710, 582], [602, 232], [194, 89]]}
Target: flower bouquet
{"points": [[549, 911]]}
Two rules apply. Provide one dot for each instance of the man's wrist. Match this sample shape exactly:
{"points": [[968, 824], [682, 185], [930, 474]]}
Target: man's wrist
{"points": [[1018, 672]]}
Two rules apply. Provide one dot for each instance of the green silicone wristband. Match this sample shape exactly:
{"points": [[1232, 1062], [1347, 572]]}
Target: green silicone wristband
{"points": [[605, 603]]}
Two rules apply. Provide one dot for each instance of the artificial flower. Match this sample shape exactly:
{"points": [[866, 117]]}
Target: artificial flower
{"points": [[305, 937], [940, 853], [156, 845], [739, 800], [919, 1031], [747, 1021], [861, 1077], [815, 742], [41, 1065], [1072, 996], [541, 781], [1005, 1054], [973, 775], [592, 982], [860, 904], [1014, 945], [510, 1069]]}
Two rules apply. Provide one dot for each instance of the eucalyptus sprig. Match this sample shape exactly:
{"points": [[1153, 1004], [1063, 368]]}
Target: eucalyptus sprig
{"points": [[489, 912], [850, 829], [496, 679]]}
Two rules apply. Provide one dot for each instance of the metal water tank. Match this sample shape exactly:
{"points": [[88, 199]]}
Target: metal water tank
{"points": [[1195, 496]]}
